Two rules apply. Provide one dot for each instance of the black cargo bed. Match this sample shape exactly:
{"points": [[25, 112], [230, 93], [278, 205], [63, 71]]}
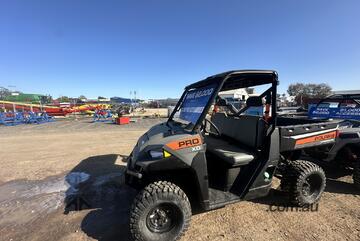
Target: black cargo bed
{"points": [[299, 133]]}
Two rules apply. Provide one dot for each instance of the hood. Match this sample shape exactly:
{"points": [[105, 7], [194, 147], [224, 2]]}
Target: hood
{"points": [[155, 139]]}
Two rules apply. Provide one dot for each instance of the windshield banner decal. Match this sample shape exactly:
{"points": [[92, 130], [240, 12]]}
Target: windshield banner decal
{"points": [[194, 103]]}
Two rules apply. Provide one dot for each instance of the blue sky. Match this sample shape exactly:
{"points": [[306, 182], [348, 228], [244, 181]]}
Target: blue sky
{"points": [[157, 47]]}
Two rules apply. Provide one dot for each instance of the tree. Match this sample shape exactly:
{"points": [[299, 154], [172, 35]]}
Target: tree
{"points": [[320, 90], [295, 89], [4, 93], [303, 92], [49, 99], [63, 99], [82, 97], [46, 99]]}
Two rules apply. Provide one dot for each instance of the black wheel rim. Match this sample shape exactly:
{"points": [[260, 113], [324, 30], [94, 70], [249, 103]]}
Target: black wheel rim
{"points": [[312, 186], [162, 218]]}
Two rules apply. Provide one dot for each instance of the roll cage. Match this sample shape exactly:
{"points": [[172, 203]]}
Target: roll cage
{"points": [[234, 80], [340, 98]]}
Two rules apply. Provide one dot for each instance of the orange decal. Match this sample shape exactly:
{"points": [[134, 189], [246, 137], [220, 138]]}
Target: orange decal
{"points": [[185, 143], [322, 137]]}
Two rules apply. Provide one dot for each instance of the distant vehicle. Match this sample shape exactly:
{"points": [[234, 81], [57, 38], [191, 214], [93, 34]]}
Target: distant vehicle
{"points": [[345, 152], [338, 106], [218, 159]]}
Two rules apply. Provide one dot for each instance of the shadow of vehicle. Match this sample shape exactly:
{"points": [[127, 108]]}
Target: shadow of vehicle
{"points": [[334, 172], [274, 198], [337, 186], [334, 185], [97, 183]]}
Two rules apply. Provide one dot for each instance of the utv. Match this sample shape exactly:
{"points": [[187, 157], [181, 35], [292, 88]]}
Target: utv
{"points": [[211, 158], [345, 152]]}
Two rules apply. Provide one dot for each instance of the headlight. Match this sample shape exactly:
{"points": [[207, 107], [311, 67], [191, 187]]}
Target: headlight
{"points": [[157, 154]]}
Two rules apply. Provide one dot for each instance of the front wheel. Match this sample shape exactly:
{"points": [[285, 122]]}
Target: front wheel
{"points": [[304, 181], [160, 212]]}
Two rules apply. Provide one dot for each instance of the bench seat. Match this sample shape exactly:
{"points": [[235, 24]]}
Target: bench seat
{"points": [[230, 153]]}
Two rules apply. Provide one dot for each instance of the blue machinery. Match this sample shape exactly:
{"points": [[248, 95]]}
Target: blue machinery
{"points": [[102, 115], [16, 118]]}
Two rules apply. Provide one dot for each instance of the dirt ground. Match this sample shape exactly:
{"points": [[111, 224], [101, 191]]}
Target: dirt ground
{"points": [[39, 165], [160, 112]]}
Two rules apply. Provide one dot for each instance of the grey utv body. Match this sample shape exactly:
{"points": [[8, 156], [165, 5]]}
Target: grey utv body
{"points": [[238, 164], [208, 159]]}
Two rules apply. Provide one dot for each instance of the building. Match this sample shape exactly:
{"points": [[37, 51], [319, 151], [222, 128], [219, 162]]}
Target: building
{"points": [[237, 94], [28, 98], [285, 100]]}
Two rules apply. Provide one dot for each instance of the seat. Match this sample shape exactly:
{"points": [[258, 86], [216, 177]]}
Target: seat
{"points": [[231, 154], [246, 130]]}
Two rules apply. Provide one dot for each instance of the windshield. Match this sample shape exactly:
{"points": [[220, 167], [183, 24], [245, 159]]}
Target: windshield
{"points": [[193, 104]]}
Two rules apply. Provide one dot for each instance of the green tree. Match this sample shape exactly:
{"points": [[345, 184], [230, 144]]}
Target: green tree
{"points": [[303, 92], [63, 99], [47, 99], [4, 93]]}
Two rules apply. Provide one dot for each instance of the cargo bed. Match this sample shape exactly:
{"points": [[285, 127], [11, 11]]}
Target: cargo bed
{"points": [[299, 133]]}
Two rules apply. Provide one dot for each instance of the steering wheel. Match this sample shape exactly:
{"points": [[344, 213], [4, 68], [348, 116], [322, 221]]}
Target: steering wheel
{"points": [[203, 127]]}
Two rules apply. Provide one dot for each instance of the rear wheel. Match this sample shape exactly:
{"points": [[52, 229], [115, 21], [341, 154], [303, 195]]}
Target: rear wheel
{"points": [[356, 174], [304, 181], [161, 211]]}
